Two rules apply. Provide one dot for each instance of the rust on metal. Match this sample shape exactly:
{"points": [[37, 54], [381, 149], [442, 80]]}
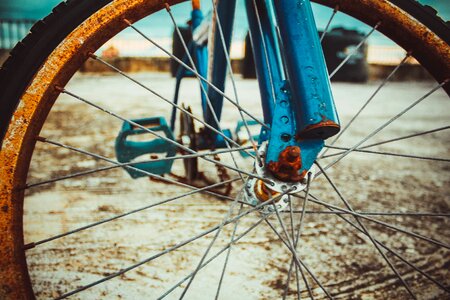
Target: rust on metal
{"points": [[195, 4], [127, 22], [322, 130], [263, 192], [288, 165], [59, 89]]}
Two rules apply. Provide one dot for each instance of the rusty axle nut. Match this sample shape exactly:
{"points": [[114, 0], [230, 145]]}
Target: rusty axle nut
{"points": [[288, 165], [293, 154]]}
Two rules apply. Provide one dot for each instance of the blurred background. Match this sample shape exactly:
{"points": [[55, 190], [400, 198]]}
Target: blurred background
{"points": [[378, 56]]}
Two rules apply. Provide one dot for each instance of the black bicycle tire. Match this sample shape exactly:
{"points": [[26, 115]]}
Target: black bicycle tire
{"points": [[28, 55], [426, 15]]}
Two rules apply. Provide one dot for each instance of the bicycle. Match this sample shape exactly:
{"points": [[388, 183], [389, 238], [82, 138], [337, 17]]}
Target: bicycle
{"points": [[298, 116]]}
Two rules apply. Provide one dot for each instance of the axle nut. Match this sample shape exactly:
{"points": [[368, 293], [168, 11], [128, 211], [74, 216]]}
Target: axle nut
{"points": [[288, 165]]}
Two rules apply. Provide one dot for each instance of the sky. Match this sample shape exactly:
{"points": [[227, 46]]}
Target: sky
{"points": [[36, 9]]}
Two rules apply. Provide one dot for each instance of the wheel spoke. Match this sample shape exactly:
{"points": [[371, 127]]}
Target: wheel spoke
{"points": [[325, 31], [406, 137], [160, 136], [386, 154], [196, 74], [227, 247], [308, 288], [121, 165], [290, 243], [175, 247], [391, 140], [227, 257], [166, 251], [286, 287], [354, 50], [369, 235], [418, 269], [302, 216], [384, 224], [119, 216], [205, 254], [300, 226], [365, 213], [219, 132], [233, 82], [384, 125], [298, 261], [156, 176], [383, 83], [218, 232]]}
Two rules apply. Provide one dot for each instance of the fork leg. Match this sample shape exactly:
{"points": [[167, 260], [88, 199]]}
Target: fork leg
{"points": [[304, 114], [311, 97]]}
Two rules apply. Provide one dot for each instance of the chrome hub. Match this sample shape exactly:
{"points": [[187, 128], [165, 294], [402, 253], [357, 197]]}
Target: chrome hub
{"points": [[258, 191]]}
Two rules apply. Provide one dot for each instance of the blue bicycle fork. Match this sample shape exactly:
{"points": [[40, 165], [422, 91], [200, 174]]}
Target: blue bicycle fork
{"points": [[303, 113]]}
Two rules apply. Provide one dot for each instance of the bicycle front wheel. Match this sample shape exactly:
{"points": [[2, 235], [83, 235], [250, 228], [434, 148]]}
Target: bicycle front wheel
{"points": [[390, 225]]}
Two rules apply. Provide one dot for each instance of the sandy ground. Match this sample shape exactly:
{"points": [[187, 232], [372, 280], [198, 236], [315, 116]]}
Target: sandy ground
{"points": [[343, 260]]}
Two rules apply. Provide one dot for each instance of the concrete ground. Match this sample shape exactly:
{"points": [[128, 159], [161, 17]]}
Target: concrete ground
{"points": [[344, 261]]}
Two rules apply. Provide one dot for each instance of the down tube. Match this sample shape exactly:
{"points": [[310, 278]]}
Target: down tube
{"points": [[312, 101], [265, 52], [218, 65]]}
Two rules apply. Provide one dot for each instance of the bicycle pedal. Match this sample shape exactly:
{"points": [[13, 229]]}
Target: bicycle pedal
{"points": [[135, 145]]}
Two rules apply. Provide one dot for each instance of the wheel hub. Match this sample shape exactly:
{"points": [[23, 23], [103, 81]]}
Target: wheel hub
{"points": [[259, 191], [288, 164]]}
